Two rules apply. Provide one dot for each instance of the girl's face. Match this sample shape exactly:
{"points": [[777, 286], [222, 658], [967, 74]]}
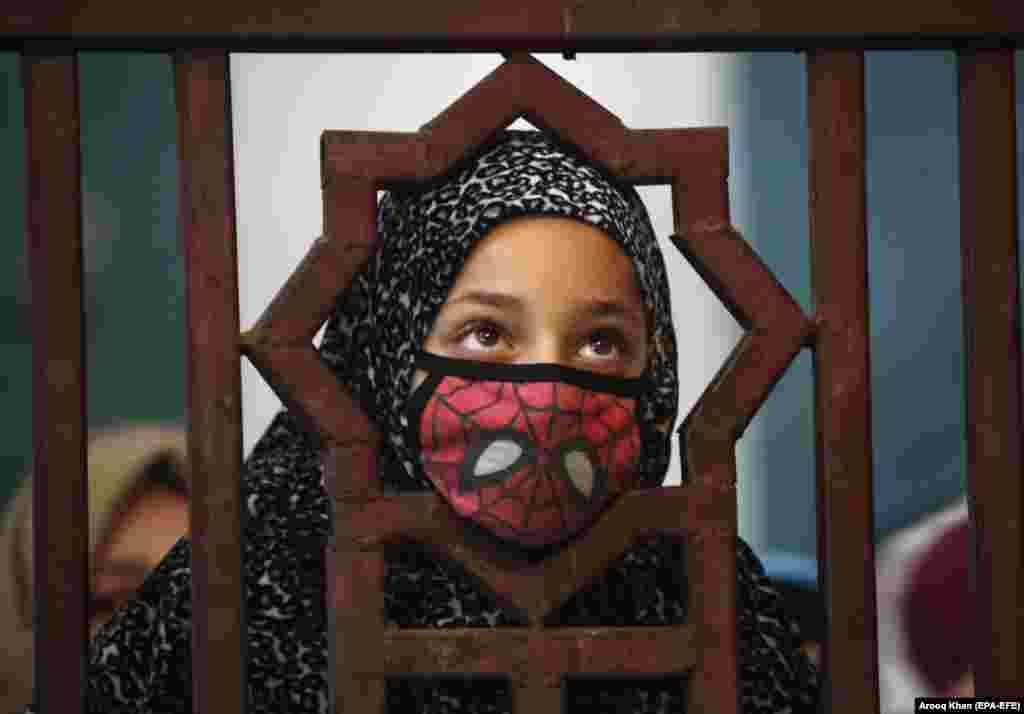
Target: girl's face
{"points": [[542, 289]]}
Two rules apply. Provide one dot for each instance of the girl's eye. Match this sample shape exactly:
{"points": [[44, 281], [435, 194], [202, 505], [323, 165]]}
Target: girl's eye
{"points": [[481, 335], [607, 344]]}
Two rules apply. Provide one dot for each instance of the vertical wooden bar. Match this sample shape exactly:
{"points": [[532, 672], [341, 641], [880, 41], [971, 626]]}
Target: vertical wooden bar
{"points": [[835, 86], [61, 532], [710, 456], [207, 195], [711, 557], [356, 588], [534, 692], [992, 351], [355, 578]]}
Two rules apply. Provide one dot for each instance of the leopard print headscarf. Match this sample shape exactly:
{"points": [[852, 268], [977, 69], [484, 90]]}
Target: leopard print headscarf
{"points": [[425, 238]]}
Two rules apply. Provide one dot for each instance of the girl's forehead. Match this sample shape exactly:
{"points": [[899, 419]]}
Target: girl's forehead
{"points": [[555, 269], [532, 249]]}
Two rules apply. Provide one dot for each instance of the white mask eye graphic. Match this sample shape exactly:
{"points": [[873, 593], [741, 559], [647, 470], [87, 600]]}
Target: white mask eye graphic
{"points": [[581, 471], [498, 455]]}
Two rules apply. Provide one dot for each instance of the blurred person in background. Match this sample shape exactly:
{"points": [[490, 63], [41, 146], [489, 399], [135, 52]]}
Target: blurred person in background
{"points": [[923, 580], [924, 623], [138, 509]]}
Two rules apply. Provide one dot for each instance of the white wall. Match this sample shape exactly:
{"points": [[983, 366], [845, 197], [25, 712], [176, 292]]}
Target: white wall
{"points": [[282, 103]]}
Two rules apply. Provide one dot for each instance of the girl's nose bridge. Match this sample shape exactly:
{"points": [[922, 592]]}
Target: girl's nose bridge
{"points": [[549, 347]]}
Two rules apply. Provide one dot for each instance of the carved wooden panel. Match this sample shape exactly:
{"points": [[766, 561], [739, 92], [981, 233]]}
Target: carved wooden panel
{"points": [[694, 162], [535, 657]]}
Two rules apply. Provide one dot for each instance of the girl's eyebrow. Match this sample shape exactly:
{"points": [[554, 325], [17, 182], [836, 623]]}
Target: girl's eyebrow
{"points": [[595, 308], [484, 297], [606, 308]]}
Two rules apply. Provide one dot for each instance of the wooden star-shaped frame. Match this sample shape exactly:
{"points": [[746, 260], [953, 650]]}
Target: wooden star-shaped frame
{"points": [[703, 510]]}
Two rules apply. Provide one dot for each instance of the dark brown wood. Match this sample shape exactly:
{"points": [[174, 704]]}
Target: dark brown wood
{"points": [[835, 81], [355, 584], [696, 163], [368, 521], [543, 696], [800, 20], [777, 328], [639, 156], [777, 331], [582, 650], [280, 344], [835, 109], [207, 196], [534, 25], [992, 351], [306, 385], [307, 299], [714, 592], [60, 550], [519, 87]]}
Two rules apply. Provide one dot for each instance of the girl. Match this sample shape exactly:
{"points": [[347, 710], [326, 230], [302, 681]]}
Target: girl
{"points": [[525, 265]]}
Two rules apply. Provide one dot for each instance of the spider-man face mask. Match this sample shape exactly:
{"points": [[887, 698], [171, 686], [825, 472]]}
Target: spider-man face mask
{"points": [[532, 453]]}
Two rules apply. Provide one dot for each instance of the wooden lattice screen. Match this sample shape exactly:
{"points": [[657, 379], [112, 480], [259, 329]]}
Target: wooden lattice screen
{"points": [[354, 164], [695, 163]]}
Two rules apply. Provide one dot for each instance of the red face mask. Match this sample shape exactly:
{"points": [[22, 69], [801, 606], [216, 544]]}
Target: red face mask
{"points": [[533, 453]]}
